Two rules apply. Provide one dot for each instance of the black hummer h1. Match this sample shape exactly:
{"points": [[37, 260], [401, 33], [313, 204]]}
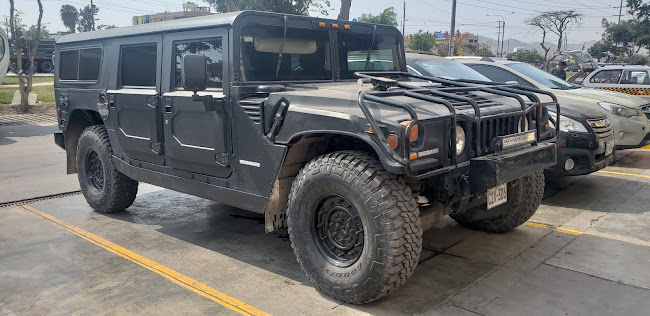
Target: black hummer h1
{"points": [[308, 121]]}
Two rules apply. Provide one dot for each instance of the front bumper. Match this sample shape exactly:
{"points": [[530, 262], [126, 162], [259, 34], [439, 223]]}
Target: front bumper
{"points": [[586, 152], [489, 171], [644, 142]]}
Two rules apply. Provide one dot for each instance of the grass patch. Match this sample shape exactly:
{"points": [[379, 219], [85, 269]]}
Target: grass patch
{"points": [[14, 79], [44, 94]]}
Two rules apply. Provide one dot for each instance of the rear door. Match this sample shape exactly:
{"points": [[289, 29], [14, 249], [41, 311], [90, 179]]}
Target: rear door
{"points": [[138, 121], [196, 139]]}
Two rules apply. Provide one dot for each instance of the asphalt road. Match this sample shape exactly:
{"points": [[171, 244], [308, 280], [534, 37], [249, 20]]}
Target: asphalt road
{"points": [[585, 252]]}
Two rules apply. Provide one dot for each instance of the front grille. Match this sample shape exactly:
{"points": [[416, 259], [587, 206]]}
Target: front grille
{"points": [[602, 127], [492, 128]]}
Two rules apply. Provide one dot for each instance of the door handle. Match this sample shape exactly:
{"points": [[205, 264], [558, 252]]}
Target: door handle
{"points": [[169, 106]]}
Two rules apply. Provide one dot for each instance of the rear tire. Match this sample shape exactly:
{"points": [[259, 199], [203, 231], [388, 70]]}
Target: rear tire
{"points": [[46, 67], [524, 197], [105, 189], [354, 227]]}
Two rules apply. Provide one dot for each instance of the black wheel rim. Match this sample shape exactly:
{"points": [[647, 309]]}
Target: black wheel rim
{"points": [[94, 171], [338, 230]]}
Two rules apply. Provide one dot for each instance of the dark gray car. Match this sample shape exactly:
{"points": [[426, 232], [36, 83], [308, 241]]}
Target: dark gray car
{"points": [[311, 122]]}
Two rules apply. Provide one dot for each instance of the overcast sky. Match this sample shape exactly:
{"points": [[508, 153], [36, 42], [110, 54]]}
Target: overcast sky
{"points": [[474, 16]]}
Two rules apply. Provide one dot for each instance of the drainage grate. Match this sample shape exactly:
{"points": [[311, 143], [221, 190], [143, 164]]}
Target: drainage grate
{"points": [[42, 198], [23, 119]]}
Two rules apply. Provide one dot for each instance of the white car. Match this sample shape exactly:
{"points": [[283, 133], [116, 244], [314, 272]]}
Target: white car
{"points": [[628, 79]]}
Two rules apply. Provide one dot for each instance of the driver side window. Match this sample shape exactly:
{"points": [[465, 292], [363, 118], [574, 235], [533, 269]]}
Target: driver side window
{"points": [[212, 49], [497, 74]]}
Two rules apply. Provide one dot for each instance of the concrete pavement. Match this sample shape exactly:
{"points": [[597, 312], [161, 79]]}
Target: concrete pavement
{"points": [[585, 252]]}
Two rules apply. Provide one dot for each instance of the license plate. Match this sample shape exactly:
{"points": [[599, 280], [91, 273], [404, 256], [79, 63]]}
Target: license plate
{"points": [[609, 148], [497, 196]]}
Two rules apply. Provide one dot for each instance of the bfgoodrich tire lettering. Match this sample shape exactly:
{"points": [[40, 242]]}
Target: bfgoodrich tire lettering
{"points": [[387, 211], [524, 196], [105, 189]]}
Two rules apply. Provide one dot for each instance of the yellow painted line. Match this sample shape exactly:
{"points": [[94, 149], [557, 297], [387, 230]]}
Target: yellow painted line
{"points": [[176, 277], [646, 147], [624, 173], [557, 229]]}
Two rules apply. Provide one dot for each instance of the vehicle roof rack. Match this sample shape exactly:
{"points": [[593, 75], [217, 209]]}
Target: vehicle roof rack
{"points": [[388, 84]]}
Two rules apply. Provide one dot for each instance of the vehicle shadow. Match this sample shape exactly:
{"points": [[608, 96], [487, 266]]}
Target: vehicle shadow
{"points": [[7, 132]]}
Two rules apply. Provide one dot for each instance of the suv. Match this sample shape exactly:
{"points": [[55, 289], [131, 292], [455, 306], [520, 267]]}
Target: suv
{"points": [[286, 116], [625, 112], [585, 141]]}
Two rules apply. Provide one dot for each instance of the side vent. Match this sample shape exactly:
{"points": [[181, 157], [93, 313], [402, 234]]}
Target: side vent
{"points": [[253, 108]]}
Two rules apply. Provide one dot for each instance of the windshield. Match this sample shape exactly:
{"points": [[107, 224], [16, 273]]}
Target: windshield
{"points": [[305, 54], [448, 68], [353, 53], [542, 77]]}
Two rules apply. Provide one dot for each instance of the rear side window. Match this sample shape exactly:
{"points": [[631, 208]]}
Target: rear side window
{"points": [[635, 77], [211, 49], [606, 76], [138, 65], [80, 64]]}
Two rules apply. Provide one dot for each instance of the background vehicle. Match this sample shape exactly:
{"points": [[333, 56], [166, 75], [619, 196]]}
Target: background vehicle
{"points": [[631, 125], [630, 79], [4, 55], [266, 112], [585, 138], [42, 59]]}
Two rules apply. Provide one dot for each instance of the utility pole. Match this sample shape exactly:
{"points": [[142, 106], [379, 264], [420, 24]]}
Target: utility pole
{"points": [[503, 35], [620, 12], [92, 10], [453, 28], [498, 38], [404, 19]]}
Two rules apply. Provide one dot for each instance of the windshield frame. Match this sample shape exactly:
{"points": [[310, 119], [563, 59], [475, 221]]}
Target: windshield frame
{"points": [[518, 66], [307, 23]]}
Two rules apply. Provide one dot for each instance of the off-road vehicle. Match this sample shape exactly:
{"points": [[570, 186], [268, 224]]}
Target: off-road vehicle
{"points": [[308, 121]]}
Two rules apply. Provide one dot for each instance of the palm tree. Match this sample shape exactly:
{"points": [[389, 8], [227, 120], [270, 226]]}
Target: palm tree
{"points": [[69, 16]]}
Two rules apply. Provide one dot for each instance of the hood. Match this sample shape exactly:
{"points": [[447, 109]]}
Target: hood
{"points": [[589, 94], [579, 110]]}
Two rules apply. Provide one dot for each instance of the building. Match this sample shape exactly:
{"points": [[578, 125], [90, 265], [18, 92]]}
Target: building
{"points": [[190, 10], [466, 43]]}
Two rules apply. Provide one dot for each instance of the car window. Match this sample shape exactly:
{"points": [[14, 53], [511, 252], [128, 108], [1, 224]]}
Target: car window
{"points": [[138, 65], [540, 76], [497, 74], [449, 68], [412, 71], [80, 64], [635, 77], [579, 77], [211, 49], [606, 76], [356, 53]]}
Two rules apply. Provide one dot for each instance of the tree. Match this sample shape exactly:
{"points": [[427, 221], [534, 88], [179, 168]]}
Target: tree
{"points": [[388, 17], [423, 41], [21, 42], [626, 38], [344, 13], [599, 49], [484, 51], [555, 22], [298, 7], [87, 18], [106, 27], [69, 17], [528, 56], [639, 9]]}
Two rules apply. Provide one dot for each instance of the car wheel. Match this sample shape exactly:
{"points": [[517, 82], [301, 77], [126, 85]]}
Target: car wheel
{"points": [[105, 188], [354, 227], [46, 67], [524, 197]]}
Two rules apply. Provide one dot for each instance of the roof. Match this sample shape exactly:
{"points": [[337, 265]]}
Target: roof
{"points": [[499, 60], [422, 55], [624, 66]]}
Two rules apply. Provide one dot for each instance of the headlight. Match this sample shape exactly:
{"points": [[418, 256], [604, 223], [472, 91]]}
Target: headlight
{"points": [[460, 140], [568, 124], [618, 110]]}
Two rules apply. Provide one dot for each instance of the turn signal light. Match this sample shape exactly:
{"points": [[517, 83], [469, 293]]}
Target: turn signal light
{"points": [[414, 134], [321, 24], [413, 156], [347, 27], [393, 141], [335, 26]]}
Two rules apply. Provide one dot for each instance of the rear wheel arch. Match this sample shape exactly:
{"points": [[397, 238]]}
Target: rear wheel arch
{"points": [[78, 121]]}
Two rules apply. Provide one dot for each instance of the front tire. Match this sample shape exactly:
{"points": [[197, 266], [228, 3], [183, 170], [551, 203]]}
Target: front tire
{"points": [[354, 227], [105, 189], [524, 197]]}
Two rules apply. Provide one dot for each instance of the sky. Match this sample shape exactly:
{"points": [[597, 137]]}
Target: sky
{"points": [[474, 16]]}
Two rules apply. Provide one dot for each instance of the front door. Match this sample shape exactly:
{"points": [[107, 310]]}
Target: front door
{"points": [[196, 139], [137, 119]]}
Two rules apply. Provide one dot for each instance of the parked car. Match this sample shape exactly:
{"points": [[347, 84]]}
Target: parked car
{"points": [[269, 113], [585, 138], [630, 79], [631, 124]]}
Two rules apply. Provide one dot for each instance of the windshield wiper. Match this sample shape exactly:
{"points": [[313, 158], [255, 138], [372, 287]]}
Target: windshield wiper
{"points": [[284, 37], [372, 43]]}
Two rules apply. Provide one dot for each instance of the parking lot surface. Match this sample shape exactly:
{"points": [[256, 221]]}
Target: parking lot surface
{"points": [[585, 252]]}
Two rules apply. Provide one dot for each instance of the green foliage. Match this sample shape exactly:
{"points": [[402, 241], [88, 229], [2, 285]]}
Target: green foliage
{"points": [[528, 56], [599, 49], [388, 17], [299, 7], [69, 17], [423, 41], [630, 36], [106, 27], [484, 51], [87, 18], [639, 8], [31, 33]]}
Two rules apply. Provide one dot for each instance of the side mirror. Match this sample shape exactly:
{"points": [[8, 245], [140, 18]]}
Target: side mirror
{"points": [[194, 72]]}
